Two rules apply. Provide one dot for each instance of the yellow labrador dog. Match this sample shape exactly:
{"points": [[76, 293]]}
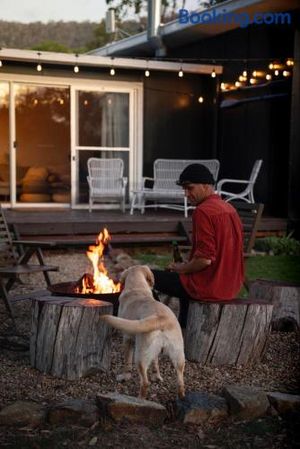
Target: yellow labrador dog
{"points": [[151, 324]]}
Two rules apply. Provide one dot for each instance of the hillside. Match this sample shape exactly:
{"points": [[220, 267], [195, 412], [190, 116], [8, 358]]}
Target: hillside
{"points": [[62, 36], [73, 35]]}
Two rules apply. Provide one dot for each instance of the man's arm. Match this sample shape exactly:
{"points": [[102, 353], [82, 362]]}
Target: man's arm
{"points": [[192, 266]]}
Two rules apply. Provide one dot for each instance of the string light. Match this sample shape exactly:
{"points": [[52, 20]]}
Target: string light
{"points": [[286, 73], [258, 74], [180, 73], [276, 73], [213, 73], [253, 81], [237, 84], [268, 77], [147, 72], [1, 63], [39, 67], [76, 68], [200, 99], [112, 71], [289, 62], [245, 74]]}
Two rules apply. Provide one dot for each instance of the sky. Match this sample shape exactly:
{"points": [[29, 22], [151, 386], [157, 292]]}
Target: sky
{"points": [[46, 10]]}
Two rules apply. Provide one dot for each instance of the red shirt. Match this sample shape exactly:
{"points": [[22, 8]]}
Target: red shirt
{"points": [[217, 236]]}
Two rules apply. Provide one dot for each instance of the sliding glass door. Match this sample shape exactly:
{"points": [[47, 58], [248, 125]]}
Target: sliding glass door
{"points": [[102, 129]]}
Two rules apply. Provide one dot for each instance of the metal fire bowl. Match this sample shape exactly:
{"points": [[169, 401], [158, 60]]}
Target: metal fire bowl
{"points": [[68, 289]]}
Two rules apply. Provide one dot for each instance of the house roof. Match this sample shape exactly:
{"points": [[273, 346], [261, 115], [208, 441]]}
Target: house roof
{"points": [[85, 60], [175, 34]]}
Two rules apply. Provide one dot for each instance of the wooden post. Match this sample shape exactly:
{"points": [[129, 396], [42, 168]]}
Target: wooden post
{"points": [[67, 338], [285, 297], [227, 333]]}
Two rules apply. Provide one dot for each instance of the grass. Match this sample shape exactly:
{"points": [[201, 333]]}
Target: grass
{"points": [[283, 268]]}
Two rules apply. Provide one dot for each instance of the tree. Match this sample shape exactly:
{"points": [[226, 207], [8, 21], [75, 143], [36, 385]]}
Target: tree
{"points": [[169, 7], [52, 46], [124, 7]]}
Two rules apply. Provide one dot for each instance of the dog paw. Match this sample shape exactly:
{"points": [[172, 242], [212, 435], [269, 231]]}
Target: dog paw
{"points": [[123, 377]]}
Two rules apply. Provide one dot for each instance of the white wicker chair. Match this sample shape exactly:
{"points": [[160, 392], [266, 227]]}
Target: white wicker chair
{"points": [[165, 192], [106, 181], [247, 193]]}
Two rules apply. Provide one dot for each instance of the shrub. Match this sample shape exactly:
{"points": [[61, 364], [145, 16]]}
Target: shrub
{"points": [[279, 245]]}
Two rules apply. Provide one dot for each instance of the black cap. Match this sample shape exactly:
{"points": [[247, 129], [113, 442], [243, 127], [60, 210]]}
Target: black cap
{"points": [[195, 174]]}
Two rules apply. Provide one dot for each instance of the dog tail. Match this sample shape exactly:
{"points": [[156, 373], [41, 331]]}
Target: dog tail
{"points": [[149, 324]]}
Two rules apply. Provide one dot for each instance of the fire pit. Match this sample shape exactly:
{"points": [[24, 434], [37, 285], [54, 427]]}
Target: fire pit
{"points": [[97, 285], [71, 289]]}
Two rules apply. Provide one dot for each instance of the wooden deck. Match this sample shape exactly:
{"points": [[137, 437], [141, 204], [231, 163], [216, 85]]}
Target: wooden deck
{"points": [[79, 227]]}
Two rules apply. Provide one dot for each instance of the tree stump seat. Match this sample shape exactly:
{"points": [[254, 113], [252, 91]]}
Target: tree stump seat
{"points": [[227, 332], [68, 340], [285, 297]]}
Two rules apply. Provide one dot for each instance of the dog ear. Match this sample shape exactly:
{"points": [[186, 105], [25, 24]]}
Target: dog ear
{"points": [[149, 276]]}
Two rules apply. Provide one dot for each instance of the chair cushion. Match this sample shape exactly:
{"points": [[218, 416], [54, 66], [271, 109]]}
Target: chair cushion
{"points": [[35, 198]]}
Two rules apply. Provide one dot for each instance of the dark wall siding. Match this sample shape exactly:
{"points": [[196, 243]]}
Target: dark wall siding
{"points": [[176, 125]]}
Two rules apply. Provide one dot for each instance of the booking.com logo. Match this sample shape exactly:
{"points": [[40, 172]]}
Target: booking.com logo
{"points": [[242, 19]]}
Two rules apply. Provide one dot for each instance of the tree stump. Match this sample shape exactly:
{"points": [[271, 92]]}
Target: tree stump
{"points": [[68, 339], [285, 297], [227, 333]]}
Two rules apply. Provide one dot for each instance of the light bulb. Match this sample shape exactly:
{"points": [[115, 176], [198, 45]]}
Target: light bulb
{"points": [[1, 63], [147, 73], [289, 62], [213, 73], [180, 73], [39, 67], [112, 72], [200, 99], [276, 73], [76, 69], [286, 73], [237, 84], [245, 73], [223, 86], [268, 77]]}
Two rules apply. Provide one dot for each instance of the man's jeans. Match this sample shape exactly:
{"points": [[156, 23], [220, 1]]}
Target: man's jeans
{"points": [[168, 282]]}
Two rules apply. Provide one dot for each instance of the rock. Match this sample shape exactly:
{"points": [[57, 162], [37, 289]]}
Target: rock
{"points": [[135, 410], [284, 402], [23, 414], [246, 402], [83, 412], [200, 407]]}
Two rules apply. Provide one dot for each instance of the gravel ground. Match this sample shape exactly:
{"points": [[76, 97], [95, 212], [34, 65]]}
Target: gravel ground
{"points": [[278, 370]]}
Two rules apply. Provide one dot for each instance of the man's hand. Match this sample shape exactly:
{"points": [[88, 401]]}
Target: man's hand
{"points": [[176, 266], [194, 265]]}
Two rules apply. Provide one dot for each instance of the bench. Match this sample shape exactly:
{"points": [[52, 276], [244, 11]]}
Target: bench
{"points": [[164, 191]]}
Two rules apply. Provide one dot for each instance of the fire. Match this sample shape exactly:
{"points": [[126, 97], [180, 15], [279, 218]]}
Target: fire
{"points": [[99, 282]]}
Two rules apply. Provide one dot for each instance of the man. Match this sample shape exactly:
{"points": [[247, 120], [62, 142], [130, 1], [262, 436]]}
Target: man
{"points": [[215, 269]]}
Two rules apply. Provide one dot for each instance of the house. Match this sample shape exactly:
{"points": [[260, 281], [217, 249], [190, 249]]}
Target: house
{"points": [[57, 110], [253, 120]]}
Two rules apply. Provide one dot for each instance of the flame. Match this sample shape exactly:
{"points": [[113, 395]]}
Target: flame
{"points": [[100, 282]]}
